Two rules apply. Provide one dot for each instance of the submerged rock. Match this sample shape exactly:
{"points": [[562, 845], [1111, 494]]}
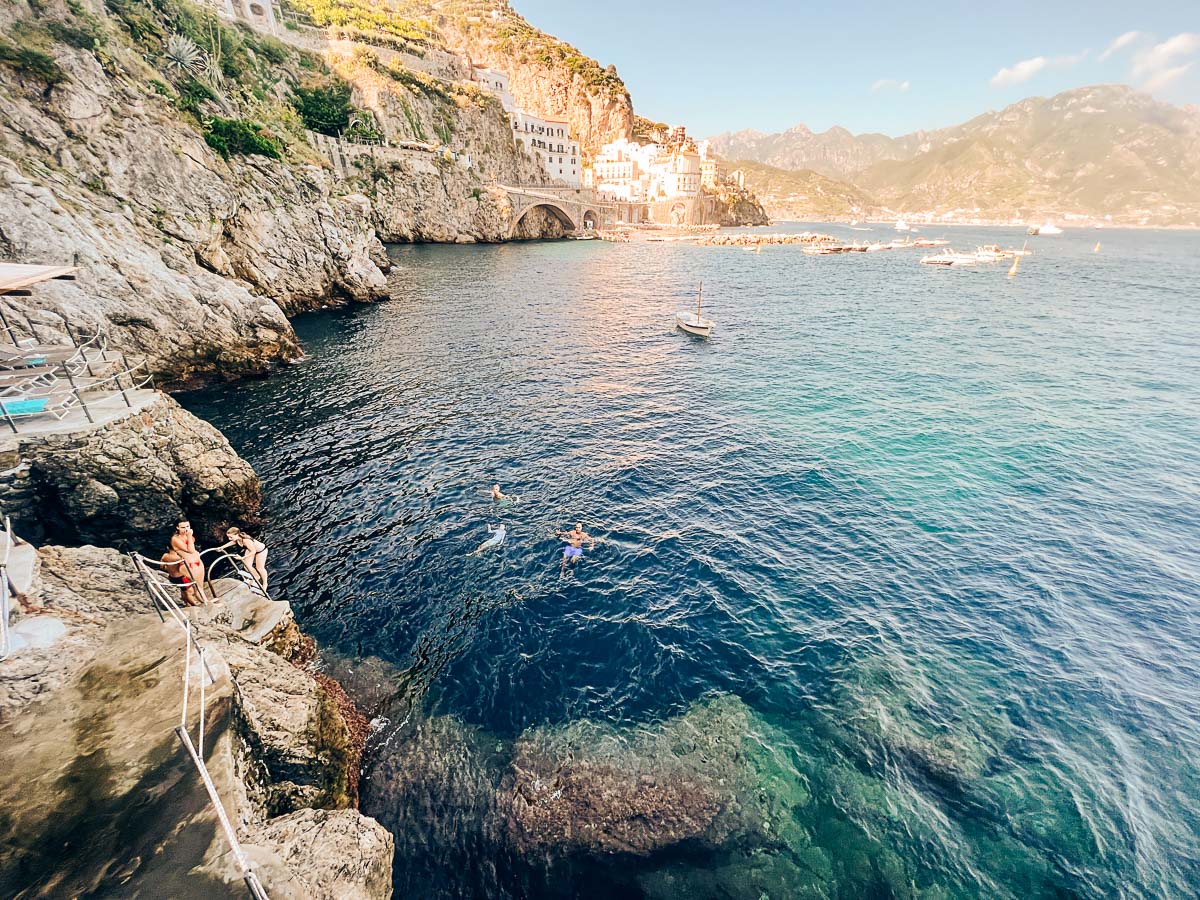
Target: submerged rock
{"points": [[592, 789]]}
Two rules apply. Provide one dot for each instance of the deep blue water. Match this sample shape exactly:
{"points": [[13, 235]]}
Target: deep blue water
{"points": [[937, 531]]}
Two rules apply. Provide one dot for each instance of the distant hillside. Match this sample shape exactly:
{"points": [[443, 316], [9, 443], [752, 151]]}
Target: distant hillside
{"points": [[1092, 152], [804, 195], [835, 153]]}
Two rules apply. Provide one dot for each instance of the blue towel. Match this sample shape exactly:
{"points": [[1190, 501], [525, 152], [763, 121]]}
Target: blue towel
{"points": [[24, 407]]}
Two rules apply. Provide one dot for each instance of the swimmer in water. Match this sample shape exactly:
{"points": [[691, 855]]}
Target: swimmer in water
{"points": [[573, 549], [498, 496], [498, 534]]}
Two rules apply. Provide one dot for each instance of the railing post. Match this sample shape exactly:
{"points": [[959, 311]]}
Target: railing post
{"points": [[125, 365], [12, 337], [78, 396]]}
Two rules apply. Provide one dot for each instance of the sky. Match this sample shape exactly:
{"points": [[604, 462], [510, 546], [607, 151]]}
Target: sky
{"points": [[892, 67]]}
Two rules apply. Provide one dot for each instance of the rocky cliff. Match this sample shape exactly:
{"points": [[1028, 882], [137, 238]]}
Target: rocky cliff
{"points": [[196, 202], [101, 798], [128, 481], [548, 77]]}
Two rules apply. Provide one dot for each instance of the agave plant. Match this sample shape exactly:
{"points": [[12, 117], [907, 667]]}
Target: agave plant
{"points": [[212, 72], [182, 54]]}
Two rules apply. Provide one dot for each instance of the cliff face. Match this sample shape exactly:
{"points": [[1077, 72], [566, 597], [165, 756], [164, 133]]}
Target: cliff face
{"points": [[90, 760], [548, 77], [193, 254], [130, 480]]}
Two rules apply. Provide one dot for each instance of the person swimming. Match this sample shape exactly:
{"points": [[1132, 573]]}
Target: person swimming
{"points": [[498, 535], [498, 496], [573, 549]]}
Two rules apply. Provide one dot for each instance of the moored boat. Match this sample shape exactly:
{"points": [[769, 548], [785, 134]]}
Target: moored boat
{"points": [[950, 258], [694, 323]]}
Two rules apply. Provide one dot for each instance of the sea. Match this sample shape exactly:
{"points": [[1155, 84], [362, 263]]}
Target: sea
{"points": [[895, 581]]}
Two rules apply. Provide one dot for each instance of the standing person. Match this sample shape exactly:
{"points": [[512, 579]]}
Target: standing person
{"points": [[183, 542], [254, 554], [176, 569], [573, 549]]}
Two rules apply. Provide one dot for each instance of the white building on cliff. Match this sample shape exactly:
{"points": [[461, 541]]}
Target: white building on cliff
{"points": [[646, 173], [550, 138]]}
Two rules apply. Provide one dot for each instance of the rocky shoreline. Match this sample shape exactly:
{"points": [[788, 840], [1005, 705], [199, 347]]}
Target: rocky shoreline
{"points": [[96, 696]]}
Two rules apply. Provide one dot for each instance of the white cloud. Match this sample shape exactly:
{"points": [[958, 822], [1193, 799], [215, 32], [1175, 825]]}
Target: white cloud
{"points": [[890, 84], [1022, 71], [1027, 68], [1120, 43], [1155, 61], [1164, 78]]}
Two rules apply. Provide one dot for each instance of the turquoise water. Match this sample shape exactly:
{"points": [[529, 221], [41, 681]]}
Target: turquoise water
{"points": [[916, 547]]}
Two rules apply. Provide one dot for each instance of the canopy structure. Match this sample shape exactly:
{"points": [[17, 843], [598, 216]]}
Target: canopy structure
{"points": [[18, 276]]}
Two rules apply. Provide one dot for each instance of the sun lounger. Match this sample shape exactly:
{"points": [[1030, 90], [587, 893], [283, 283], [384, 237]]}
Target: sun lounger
{"points": [[56, 401]]}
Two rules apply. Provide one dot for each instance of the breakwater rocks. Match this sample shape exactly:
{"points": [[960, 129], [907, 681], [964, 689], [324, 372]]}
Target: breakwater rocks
{"points": [[99, 796], [129, 480], [754, 240]]}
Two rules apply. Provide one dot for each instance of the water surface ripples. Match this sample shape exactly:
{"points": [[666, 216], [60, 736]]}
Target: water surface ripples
{"points": [[937, 530]]}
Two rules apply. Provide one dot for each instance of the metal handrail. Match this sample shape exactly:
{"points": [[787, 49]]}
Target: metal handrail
{"points": [[75, 394], [160, 594], [239, 566], [5, 640]]}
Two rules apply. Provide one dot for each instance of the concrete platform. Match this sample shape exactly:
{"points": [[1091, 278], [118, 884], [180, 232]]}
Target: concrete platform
{"points": [[104, 411]]}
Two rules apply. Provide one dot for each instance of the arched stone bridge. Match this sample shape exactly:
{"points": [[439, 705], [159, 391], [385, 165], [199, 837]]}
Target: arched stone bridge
{"points": [[577, 209]]}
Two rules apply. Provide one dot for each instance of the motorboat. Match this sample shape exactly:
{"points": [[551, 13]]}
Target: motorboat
{"points": [[950, 258], [694, 323], [901, 225], [990, 253], [1047, 228]]}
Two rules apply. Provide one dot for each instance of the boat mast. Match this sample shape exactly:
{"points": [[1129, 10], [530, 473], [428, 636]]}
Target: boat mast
{"points": [[699, 294]]}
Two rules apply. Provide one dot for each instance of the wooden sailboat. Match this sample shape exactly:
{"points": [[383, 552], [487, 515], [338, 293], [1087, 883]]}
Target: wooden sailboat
{"points": [[1016, 265], [694, 323]]}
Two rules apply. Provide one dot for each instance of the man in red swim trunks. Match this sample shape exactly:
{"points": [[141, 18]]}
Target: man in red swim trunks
{"points": [[183, 542]]}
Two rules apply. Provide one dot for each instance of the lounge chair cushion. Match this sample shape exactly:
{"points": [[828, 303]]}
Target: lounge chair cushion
{"points": [[25, 407]]}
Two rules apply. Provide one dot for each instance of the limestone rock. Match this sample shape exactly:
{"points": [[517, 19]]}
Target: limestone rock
{"points": [[85, 588], [318, 854], [299, 740], [134, 479]]}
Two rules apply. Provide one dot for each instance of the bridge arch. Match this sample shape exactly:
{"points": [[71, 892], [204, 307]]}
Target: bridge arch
{"points": [[559, 212], [589, 220]]}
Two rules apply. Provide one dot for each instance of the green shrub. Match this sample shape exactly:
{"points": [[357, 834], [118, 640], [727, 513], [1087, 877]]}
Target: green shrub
{"points": [[237, 136], [324, 107], [273, 50], [32, 62], [84, 38], [192, 94]]}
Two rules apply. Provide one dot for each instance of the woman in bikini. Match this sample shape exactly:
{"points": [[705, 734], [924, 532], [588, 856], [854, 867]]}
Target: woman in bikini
{"points": [[254, 554], [183, 542]]}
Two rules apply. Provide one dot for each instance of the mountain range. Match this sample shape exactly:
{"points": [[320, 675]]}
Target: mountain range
{"points": [[1104, 153]]}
